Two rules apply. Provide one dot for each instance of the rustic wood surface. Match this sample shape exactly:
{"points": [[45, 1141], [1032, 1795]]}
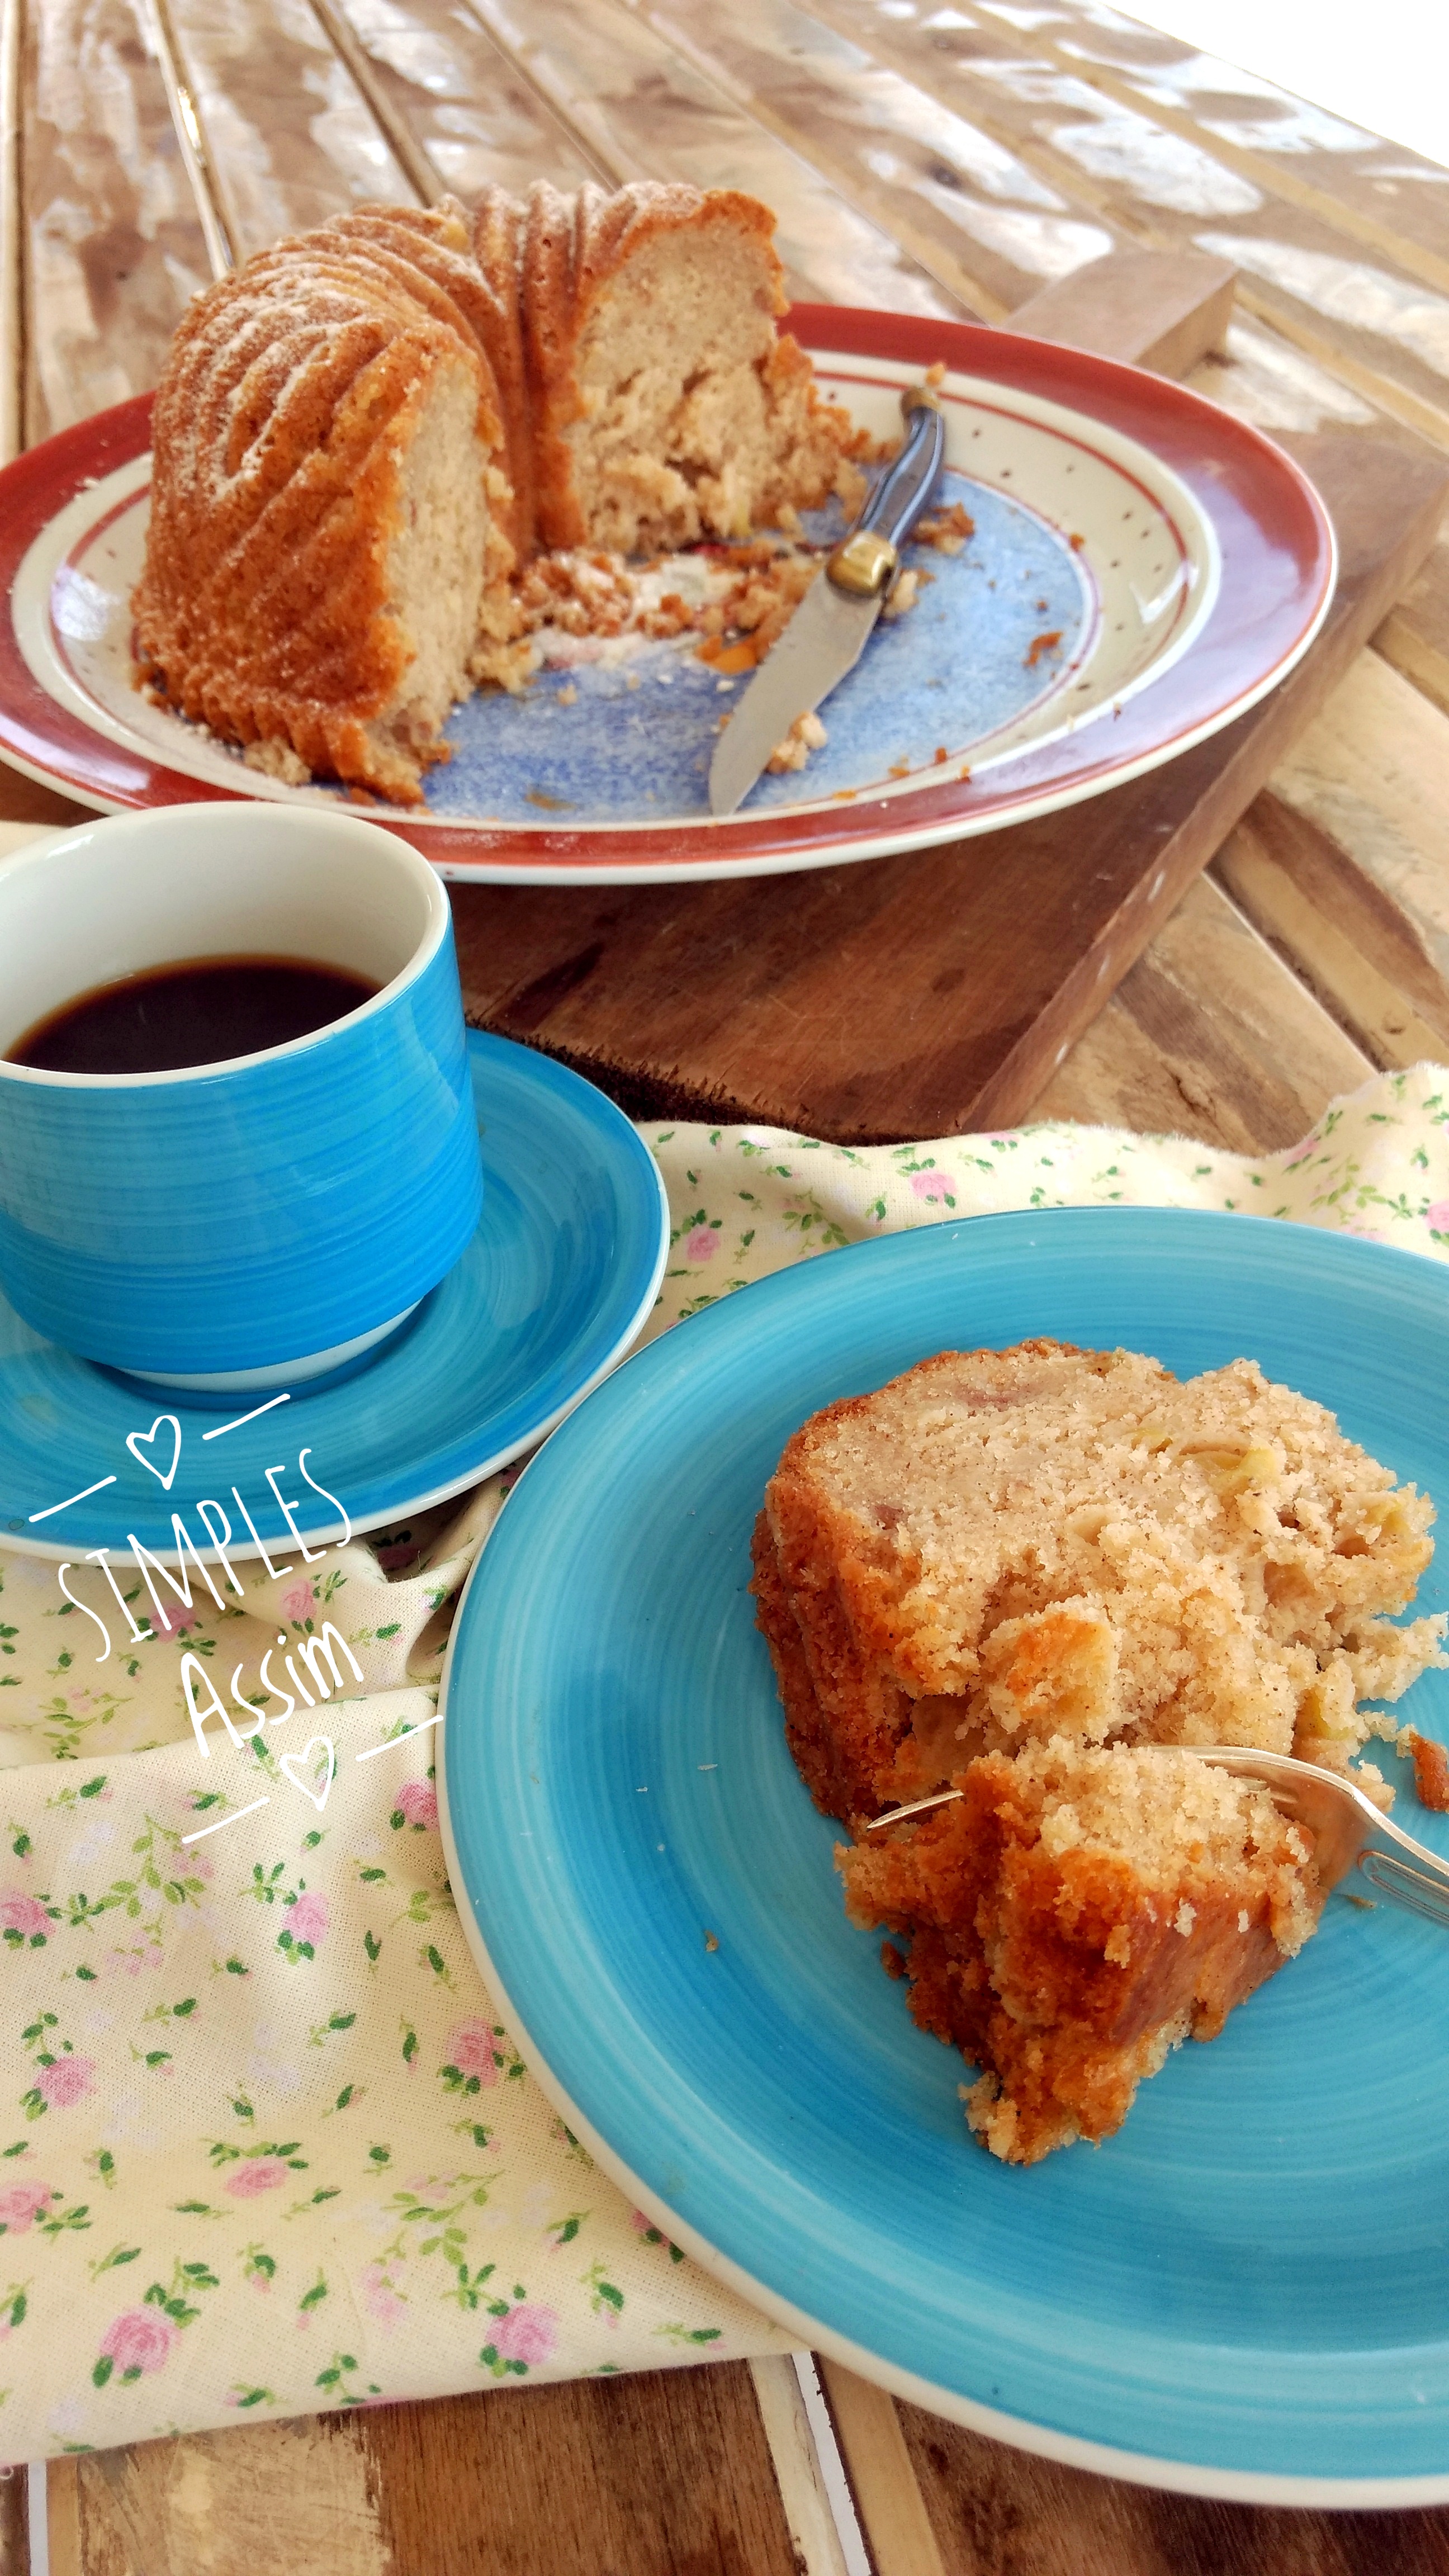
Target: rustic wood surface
{"points": [[929, 161]]}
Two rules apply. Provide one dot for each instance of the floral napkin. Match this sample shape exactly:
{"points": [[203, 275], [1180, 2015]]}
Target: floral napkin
{"points": [[265, 2144]]}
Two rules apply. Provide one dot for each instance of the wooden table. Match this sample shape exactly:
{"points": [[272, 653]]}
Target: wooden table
{"points": [[934, 161]]}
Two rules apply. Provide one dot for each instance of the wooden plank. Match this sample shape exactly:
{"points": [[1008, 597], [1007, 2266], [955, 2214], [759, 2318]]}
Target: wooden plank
{"points": [[1211, 1035], [813, 2534], [653, 2474], [882, 2476], [1415, 634], [972, 969], [113, 241], [1163, 310], [297, 2495], [1164, 184], [460, 100], [643, 111], [1372, 770], [1347, 940], [997, 2512], [288, 136], [1391, 199], [14, 2523], [974, 215]]}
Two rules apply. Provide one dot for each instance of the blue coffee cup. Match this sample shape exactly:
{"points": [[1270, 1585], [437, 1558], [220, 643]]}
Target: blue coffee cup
{"points": [[257, 1221]]}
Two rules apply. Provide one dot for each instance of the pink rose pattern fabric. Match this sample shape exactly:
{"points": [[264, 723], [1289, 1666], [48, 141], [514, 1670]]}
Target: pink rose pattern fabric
{"points": [[265, 2144]]}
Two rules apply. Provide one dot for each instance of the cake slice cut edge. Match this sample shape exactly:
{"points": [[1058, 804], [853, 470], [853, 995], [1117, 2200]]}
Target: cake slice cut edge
{"points": [[1074, 1916]]}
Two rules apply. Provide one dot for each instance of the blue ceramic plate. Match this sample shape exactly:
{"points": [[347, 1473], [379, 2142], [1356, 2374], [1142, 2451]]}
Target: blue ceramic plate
{"points": [[1244, 2293], [559, 1278]]}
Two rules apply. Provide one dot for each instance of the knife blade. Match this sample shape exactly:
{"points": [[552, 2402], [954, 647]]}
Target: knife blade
{"points": [[832, 625]]}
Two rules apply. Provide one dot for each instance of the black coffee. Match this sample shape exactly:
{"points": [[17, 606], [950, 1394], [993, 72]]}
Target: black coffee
{"points": [[201, 1011]]}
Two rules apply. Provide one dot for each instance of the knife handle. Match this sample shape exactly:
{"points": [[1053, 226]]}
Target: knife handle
{"points": [[864, 563]]}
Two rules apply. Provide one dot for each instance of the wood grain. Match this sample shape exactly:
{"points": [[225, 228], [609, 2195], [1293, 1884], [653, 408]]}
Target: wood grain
{"points": [[287, 134], [882, 2476], [112, 240], [1158, 309], [973, 214], [1055, 117], [1415, 634], [14, 2523], [1373, 770], [663, 2474], [1210, 1035], [463, 104], [1350, 943], [924, 994], [1383, 195], [644, 109], [997, 2512]]}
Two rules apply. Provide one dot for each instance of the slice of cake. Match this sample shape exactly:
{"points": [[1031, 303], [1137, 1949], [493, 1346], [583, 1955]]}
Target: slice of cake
{"points": [[1003, 1547], [1036, 1574], [1074, 1916]]}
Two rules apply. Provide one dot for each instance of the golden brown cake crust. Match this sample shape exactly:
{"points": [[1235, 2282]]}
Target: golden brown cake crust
{"points": [[278, 435]]}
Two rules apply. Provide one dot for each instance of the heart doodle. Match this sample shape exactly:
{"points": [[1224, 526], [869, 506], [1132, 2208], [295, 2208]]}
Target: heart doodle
{"points": [[295, 1765], [136, 1441]]}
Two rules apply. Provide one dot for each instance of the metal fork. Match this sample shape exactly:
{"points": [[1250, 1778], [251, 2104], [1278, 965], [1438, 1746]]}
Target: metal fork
{"points": [[1347, 1828]]}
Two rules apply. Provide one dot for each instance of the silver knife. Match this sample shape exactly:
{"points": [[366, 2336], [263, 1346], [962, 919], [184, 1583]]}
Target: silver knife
{"points": [[827, 634]]}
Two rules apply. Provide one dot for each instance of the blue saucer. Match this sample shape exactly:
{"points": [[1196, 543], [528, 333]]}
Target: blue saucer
{"points": [[1246, 2291], [558, 1280]]}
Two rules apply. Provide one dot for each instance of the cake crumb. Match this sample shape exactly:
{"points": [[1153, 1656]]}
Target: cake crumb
{"points": [[277, 760], [806, 734], [568, 697], [903, 592], [1431, 1771], [711, 1940], [947, 530], [1040, 644]]}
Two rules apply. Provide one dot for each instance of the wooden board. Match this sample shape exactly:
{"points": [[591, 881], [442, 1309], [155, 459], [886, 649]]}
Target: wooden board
{"points": [[970, 969], [648, 2476]]}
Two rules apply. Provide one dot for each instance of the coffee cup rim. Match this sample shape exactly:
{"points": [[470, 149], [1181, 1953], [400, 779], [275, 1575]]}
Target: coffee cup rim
{"points": [[425, 877]]}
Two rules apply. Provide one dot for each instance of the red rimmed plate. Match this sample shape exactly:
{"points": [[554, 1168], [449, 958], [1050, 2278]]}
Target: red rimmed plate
{"points": [[1143, 566]]}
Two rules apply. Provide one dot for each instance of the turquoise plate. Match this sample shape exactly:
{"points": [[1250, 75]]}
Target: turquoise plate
{"points": [[1246, 2292], [558, 1280]]}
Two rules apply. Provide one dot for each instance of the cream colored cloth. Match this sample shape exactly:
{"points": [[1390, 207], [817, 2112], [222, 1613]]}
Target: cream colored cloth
{"points": [[265, 2145]]}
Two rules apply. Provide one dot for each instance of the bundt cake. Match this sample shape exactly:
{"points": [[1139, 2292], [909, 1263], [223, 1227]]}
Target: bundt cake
{"points": [[364, 434], [1030, 1575]]}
